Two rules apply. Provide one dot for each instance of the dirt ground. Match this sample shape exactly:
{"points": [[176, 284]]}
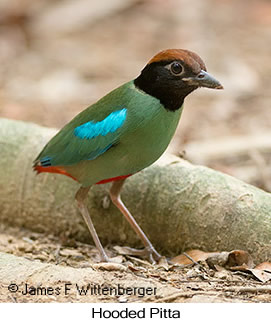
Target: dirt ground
{"points": [[168, 283], [52, 68]]}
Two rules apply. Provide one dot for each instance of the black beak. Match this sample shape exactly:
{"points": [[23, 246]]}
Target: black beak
{"points": [[203, 79]]}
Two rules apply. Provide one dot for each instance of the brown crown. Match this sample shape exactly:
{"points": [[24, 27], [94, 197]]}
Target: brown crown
{"points": [[189, 58]]}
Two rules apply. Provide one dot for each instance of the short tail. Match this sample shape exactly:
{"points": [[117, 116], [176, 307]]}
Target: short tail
{"points": [[38, 168]]}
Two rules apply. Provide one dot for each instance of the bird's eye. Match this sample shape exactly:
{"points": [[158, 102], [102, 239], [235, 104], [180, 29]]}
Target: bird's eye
{"points": [[176, 68]]}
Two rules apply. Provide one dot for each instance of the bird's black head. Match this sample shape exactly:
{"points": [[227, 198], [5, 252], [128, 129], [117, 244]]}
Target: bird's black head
{"points": [[172, 74]]}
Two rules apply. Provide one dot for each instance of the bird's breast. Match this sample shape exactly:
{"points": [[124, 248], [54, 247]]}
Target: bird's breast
{"points": [[149, 139]]}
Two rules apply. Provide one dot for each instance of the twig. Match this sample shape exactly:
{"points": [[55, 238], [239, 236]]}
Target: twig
{"points": [[190, 258]]}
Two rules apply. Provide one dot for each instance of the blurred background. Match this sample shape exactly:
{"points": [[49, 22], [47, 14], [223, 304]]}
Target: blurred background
{"points": [[59, 56]]}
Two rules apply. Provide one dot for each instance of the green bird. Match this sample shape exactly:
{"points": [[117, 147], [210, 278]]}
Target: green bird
{"points": [[126, 131]]}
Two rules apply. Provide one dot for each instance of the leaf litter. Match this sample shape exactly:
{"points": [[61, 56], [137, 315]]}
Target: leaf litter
{"points": [[195, 276]]}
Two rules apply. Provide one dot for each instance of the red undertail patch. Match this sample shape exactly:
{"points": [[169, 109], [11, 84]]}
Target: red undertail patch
{"points": [[52, 169], [59, 170]]}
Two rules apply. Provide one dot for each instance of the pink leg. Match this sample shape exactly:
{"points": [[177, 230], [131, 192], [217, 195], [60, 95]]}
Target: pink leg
{"points": [[149, 250], [80, 198]]}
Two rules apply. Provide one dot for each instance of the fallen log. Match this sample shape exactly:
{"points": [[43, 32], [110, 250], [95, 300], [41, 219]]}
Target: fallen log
{"points": [[180, 206]]}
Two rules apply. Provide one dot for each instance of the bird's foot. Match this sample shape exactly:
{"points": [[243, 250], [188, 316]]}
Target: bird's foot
{"points": [[148, 252]]}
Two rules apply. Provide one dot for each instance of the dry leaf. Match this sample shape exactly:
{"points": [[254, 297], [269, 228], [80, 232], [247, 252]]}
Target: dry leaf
{"points": [[235, 260], [239, 258], [262, 272], [262, 275], [266, 266], [196, 255]]}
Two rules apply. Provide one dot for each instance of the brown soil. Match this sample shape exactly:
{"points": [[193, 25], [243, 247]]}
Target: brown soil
{"points": [[166, 283]]}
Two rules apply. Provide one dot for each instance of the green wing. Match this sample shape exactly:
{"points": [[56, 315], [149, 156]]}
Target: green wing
{"points": [[90, 134]]}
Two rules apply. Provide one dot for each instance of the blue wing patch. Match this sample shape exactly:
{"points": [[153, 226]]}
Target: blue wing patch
{"points": [[110, 124], [45, 161], [104, 136]]}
